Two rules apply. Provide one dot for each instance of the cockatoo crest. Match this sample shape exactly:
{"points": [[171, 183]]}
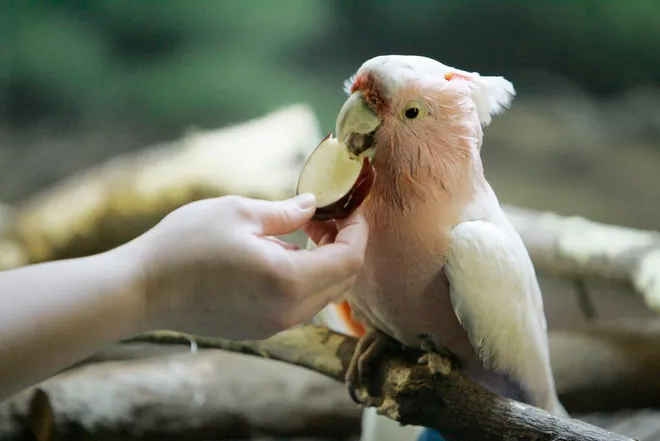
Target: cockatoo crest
{"points": [[491, 94]]}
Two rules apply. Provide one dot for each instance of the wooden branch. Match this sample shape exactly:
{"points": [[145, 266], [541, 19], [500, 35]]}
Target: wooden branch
{"points": [[599, 366], [575, 246], [432, 395]]}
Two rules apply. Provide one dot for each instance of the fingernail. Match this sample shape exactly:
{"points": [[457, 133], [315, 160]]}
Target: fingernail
{"points": [[305, 201]]}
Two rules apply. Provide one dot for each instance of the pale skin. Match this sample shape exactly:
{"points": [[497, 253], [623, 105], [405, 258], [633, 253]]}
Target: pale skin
{"points": [[212, 267]]}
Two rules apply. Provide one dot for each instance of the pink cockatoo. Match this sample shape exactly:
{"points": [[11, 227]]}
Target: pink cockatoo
{"points": [[444, 269]]}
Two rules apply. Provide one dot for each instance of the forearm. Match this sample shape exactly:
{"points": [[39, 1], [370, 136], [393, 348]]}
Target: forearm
{"points": [[55, 314]]}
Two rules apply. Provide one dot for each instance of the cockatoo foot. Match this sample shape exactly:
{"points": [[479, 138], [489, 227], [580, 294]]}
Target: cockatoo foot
{"points": [[366, 351], [432, 349]]}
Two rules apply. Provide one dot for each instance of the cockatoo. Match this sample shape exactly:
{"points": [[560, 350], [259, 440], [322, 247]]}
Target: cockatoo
{"points": [[444, 268]]}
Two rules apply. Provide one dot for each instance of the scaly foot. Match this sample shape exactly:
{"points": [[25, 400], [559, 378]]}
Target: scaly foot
{"points": [[366, 351]]}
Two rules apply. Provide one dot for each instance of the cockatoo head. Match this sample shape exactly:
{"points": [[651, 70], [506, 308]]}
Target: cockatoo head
{"points": [[420, 121]]}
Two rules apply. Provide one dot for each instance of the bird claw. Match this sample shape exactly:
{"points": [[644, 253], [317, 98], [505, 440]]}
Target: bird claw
{"points": [[432, 350], [366, 351]]}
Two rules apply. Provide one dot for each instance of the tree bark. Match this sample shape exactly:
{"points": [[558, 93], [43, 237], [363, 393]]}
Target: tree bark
{"points": [[605, 365], [432, 395], [154, 398]]}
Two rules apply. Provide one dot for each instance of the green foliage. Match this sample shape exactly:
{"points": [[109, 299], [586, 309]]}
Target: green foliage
{"points": [[176, 63]]}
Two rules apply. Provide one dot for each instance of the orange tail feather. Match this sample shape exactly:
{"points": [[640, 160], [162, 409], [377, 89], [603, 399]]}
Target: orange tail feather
{"points": [[345, 314]]}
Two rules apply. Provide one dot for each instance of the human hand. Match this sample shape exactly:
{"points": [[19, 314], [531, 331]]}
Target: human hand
{"points": [[213, 267]]}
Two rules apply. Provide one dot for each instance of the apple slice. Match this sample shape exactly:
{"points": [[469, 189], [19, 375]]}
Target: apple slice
{"points": [[340, 182]]}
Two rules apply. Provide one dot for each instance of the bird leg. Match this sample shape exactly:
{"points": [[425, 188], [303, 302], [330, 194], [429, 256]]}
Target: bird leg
{"points": [[367, 350], [431, 350]]}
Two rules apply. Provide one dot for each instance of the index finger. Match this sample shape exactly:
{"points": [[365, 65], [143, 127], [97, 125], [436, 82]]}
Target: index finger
{"points": [[352, 230], [336, 261]]}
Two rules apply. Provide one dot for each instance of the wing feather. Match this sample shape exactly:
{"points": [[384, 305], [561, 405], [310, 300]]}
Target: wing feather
{"points": [[496, 298]]}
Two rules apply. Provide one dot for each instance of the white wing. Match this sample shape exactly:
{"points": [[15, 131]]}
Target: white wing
{"points": [[496, 297]]}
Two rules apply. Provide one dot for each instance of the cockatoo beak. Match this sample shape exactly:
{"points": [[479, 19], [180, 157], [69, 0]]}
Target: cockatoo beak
{"points": [[356, 124]]}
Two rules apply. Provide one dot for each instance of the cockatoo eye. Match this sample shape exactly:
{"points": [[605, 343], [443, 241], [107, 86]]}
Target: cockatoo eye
{"points": [[411, 112], [414, 110]]}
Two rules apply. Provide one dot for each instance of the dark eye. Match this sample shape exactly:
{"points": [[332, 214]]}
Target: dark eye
{"points": [[411, 113]]}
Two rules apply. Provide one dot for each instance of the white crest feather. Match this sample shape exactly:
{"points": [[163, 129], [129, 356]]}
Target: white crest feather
{"points": [[491, 95]]}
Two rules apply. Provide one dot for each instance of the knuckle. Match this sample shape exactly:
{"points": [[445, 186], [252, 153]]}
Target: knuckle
{"points": [[239, 205], [285, 217]]}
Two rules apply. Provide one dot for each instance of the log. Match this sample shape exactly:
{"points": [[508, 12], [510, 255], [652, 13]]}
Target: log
{"points": [[210, 394], [106, 397]]}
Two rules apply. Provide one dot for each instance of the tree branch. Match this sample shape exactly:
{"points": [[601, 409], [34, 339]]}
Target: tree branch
{"points": [[591, 362], [574, 246], [433, 395], [604, 365]]}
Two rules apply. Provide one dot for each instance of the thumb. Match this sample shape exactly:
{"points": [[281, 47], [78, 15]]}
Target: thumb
{"points": [[275, 218]]}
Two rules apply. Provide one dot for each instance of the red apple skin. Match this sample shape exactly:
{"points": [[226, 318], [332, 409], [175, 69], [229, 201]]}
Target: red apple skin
{"points": [[350, 202]]}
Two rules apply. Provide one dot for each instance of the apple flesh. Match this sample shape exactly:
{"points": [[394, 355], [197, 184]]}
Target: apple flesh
{"points": [[339, 180]]}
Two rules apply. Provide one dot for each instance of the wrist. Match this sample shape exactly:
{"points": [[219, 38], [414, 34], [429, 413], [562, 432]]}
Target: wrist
{"points": [[126, 264]]}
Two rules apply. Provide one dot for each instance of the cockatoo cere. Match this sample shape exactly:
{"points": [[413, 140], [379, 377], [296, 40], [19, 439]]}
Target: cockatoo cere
{"points": [[444, 270]]}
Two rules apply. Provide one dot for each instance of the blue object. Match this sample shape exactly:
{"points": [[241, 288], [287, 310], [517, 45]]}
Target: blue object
{"points": [[430, 435]]}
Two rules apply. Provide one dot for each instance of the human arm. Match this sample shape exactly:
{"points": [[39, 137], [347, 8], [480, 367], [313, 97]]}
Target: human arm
{"points": [[211, 267], [56, 313]]}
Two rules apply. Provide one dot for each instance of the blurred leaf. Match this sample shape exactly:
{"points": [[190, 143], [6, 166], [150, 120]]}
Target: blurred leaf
{"points": [[60, 57], [179, 62]]}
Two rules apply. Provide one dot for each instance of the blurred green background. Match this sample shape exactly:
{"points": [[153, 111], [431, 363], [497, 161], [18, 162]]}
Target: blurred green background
{"points": [[81, 81]]}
